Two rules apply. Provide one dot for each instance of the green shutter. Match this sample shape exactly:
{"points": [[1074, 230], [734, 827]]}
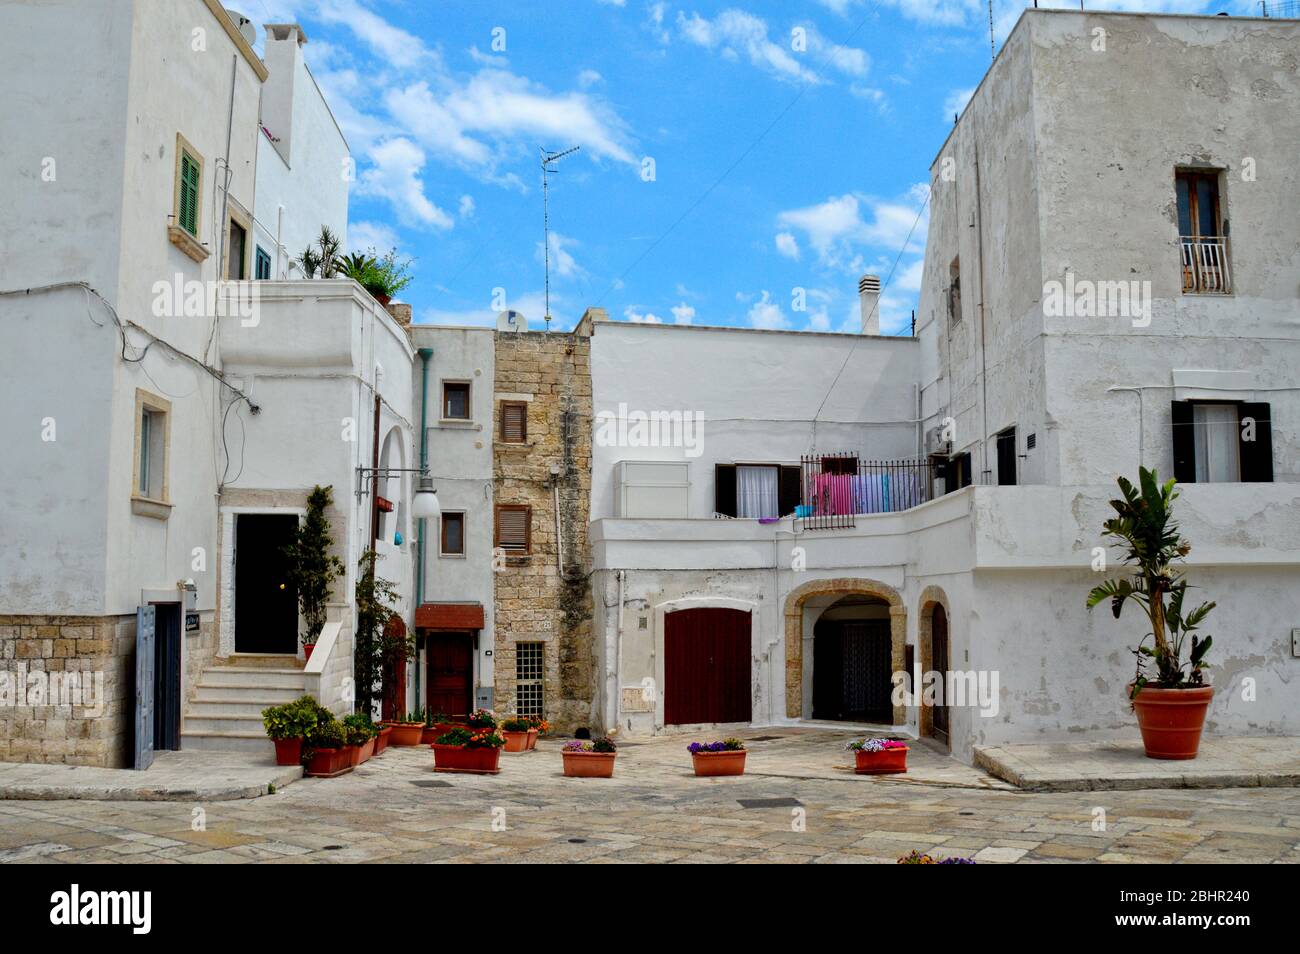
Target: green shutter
{"points": [[189, 195]]}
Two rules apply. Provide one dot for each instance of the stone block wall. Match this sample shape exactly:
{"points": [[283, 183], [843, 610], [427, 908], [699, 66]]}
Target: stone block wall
{"points": [[545, 596]]}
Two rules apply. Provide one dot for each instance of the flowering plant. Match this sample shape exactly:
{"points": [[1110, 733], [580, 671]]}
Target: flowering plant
{"points": [[515, 724], [486, 739], [726, 745], [916, 858], [874, 745], [482, 719], [604, 744], [538, 723]]}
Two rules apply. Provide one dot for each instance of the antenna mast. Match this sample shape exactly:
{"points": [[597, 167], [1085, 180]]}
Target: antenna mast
{"points": [[548, 160]]}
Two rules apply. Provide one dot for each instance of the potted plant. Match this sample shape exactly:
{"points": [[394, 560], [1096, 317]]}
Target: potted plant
{"points": [[718, 758], [375, 642], [536, 726], [383, 276], [382, 732], [461, 750], [410, 730], [589, 759], [360, 737], [482, 719], [879, 756], [917, 858], [327, 754], [442, 723], [312, 569], [1171, 706], [516, 731], [288, 725]]}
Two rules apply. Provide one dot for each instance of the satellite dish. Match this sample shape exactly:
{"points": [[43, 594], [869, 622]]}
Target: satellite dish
{"points": [[512, 321], [244, 25]]}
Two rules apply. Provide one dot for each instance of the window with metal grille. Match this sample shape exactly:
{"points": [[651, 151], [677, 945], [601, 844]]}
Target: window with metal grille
{"points": [[514, 422], [529, 687], [514, 528]]}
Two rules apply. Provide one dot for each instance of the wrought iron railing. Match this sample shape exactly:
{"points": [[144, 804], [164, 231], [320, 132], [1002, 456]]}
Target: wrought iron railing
{"points": [[837, 487], [1205, 264]]}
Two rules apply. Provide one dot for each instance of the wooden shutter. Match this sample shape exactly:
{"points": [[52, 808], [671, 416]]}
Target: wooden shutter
{"points": [[514, 422], [1256, 455], [791, 480], [1184, 437], [724, 489], [514, 528], [189, 195]]}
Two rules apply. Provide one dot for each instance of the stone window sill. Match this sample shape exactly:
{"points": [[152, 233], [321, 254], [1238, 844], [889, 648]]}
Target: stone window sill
{"points": [[458, 423], [187, 243], [147, 507], [514, 445]]}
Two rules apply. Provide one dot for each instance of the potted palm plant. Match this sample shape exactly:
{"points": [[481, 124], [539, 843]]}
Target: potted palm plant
{"points": [[462, 750], [589, 759], [1171, 706], [718, 758]]}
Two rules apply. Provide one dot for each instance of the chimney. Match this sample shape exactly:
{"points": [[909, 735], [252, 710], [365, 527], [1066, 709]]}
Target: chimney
{"points": [[282, 55], [869, 303]]}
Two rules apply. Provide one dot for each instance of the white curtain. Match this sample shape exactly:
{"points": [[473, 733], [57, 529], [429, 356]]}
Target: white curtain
{"points": [[1215, 428], [757, 492]]}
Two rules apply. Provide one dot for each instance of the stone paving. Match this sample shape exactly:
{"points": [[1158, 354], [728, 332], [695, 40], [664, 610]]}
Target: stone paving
{"points": [[804, 805], [174, 776]]}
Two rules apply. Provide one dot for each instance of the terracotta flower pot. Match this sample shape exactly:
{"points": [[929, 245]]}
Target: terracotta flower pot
{"points": [[1171, 720], [306, 650], [288, 751], [430, 735], [458, 758], [445, 727], [532, 738], [719, 763], [406, 733], [327, 763], [381, 740], [589, 764], [884, 762], [361, 753], [516, 741]]}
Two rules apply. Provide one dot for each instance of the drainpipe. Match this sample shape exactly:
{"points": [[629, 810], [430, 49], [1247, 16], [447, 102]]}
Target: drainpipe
{"points": [[616, 695], [425, 355]]}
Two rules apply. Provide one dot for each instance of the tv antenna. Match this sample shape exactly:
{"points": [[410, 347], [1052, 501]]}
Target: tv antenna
{"points": [[548, 167]]}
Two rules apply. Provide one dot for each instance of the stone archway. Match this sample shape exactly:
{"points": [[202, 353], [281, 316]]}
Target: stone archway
{"points": [[839, 587], [931, 597]]}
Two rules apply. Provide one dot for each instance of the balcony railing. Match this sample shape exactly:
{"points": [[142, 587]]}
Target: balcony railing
{"points": [[837, 487], [1205, 265]]}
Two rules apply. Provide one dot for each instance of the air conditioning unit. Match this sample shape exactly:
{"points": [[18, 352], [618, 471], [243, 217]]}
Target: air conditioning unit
{"points": [[935, 444]]}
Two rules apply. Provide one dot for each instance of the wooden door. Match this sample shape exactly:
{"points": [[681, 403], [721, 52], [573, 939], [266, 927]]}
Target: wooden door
{"points": [[266, 603], [145, 617], [707, 666], [450, 677], [939, 663]]}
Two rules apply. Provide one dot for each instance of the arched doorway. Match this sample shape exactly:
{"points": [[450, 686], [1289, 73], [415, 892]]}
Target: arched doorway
{"points": [[852, 661], [935, 647], [939, 643]]}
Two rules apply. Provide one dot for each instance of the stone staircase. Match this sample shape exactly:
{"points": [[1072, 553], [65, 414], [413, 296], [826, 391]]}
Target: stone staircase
{"points": [[225, 714]]}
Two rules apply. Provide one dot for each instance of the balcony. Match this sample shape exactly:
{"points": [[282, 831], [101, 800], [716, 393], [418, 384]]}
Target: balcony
{"points": [[837, 487], [1205, 265]]}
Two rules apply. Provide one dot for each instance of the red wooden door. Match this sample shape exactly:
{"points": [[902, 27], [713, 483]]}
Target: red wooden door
{"points": [[450, 674], [707, 666]]}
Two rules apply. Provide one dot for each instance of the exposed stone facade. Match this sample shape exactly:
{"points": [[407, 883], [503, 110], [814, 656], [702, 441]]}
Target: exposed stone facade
{"points": [[544, 596]]}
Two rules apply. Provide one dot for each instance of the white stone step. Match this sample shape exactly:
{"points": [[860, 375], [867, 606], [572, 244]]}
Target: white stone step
{"points": [[201, 708], [268, 695], [227, 742], [233, 676], [225, 722]]}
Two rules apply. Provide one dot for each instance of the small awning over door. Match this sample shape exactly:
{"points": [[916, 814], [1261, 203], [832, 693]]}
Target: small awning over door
{"points": [[449, 616]]}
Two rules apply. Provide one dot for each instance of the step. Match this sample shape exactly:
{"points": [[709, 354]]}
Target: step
{"points": [[226, 742], [209, 708], [260, 661], [225, 722], [268, 695], [230, 676]]}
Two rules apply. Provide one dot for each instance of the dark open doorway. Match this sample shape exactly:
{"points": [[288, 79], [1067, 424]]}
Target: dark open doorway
{"points": [[939, 663], [266, 603], [450, 673], [852, 664], [167, 677]]}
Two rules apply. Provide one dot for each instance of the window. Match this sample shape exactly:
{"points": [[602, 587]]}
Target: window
{"points": [[755, 490], [152, 435], [1202, 233], [236, 248], [455, 400], [1222, 442], [954, 290], [453, 534], [514, 422], [514, 528], [955, 472], [840, 465], [188, 183], [263, 265], [529, 689], [1007, 457]]}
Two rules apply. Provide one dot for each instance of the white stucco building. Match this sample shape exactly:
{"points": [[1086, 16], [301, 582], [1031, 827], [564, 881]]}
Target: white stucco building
{"points": [[1028, 409]]}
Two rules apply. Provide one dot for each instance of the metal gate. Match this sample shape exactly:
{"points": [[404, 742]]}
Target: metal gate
{"points": [[707, 666]]}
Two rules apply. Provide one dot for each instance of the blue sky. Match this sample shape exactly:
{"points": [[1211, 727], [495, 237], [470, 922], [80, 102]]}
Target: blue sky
{"points": [[790, 145]]}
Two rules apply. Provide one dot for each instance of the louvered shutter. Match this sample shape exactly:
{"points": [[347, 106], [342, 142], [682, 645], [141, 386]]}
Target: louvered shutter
{"points": [[514, 422], [513, 528]]}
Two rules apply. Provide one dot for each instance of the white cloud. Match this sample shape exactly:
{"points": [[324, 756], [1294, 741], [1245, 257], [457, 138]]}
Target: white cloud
{"points": [[787, 245], [390, 43], [956, 102], [466, 207], [765, 313], [735, 32], [563, 263], [395, 175], [589, 78], [683, 314], [908, 277], [531, 304], [655, 22], [367, 235], [837, 228], [639, 317]]}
